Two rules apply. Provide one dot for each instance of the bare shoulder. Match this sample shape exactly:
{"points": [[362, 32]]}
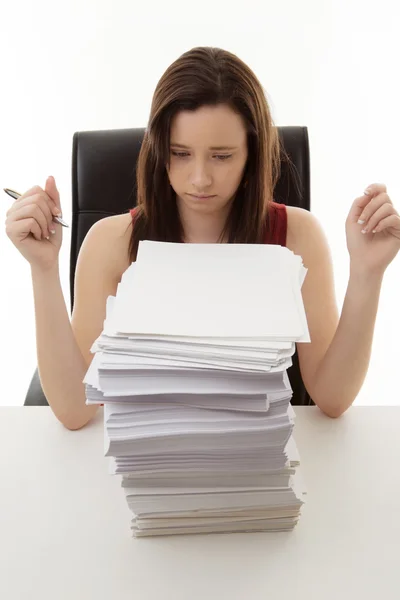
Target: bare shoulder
{"points": [[118, 226], [102, 259], [304, 231], [110, 236], [306, 238]]}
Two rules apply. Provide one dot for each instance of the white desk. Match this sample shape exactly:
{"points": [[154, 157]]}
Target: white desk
{"points": [[65, 525]]}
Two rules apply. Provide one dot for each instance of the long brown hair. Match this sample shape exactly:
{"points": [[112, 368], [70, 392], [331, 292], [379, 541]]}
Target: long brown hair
{"points": [[206, 76]]}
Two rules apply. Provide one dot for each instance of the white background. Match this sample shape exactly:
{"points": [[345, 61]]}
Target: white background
{"points": [[86, 65]]}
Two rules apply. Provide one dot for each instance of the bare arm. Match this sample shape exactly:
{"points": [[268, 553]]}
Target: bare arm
{"points": [[63, 347], [61, 364], [342, 371], [334, 365]]}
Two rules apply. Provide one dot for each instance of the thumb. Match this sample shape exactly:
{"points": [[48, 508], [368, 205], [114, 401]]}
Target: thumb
{"points": [[51, 189]]}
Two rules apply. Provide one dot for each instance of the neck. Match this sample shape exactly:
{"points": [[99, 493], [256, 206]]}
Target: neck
{"points": [[202, 228]]}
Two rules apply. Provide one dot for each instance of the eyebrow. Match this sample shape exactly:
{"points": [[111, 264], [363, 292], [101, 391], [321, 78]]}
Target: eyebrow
{"points": [[211, 148]]}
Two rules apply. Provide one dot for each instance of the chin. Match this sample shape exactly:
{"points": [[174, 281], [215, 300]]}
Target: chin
{"points": [[205, 207]]}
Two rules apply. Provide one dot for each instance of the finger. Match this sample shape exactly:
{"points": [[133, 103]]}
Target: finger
{"points": [[29, 203], [391, 221], [42, 200], [375, 188], [34, 192], [52, 191], [31, 199], [373, 205], [36, 189], [21, 229], [358, 207], [381, 213], [33, 211], [34, 229]]}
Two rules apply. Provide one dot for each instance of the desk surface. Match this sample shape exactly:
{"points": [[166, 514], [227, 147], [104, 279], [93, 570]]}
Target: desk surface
{"points": [[65, 525]]}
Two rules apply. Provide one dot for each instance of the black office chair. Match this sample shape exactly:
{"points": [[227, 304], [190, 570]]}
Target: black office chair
{"points": [[104, 184]]}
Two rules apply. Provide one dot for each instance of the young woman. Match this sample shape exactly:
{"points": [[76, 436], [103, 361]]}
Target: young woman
{"points": [[206, 173]]}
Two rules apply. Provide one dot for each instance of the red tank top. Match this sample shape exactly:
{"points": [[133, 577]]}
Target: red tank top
{"points": [[276, 231], [277, 217]]}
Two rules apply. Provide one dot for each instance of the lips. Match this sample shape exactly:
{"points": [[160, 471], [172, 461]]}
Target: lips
{"points": [[201, 197]]}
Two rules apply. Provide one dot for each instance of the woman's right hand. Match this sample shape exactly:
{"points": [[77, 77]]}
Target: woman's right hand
{"points": [[30, 221]]}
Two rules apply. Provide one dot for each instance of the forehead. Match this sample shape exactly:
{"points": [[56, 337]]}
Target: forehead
{"points": [[208, 126]]}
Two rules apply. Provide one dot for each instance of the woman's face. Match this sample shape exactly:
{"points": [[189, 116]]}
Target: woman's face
{"points": [[199, 168]]}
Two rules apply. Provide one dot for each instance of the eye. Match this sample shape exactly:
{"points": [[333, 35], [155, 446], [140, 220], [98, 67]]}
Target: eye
{"points": [[220, 157], [179, 154]]}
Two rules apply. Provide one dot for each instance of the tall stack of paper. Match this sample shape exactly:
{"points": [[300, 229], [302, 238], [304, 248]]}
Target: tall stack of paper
{"points": [[191, 368]]}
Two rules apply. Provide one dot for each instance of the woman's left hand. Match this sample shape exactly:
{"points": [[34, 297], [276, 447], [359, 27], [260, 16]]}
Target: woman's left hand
{"points": [[370, 253]]}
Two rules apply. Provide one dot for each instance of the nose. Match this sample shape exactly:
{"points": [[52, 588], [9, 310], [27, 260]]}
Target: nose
{"points": [[200, 177]]}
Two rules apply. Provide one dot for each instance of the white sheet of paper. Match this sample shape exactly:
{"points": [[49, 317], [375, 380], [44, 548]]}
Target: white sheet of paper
{"points": [[172, 283]]}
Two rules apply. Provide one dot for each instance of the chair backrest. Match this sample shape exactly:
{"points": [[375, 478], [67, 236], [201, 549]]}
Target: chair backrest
{"points": [[104, 184]]}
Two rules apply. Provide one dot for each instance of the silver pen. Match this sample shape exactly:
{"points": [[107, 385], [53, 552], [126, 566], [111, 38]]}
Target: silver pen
{"points": [[16, 195]]}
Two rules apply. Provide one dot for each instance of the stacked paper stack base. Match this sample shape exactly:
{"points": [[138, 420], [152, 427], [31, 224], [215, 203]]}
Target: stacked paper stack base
{"points": [[191, 367]]}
